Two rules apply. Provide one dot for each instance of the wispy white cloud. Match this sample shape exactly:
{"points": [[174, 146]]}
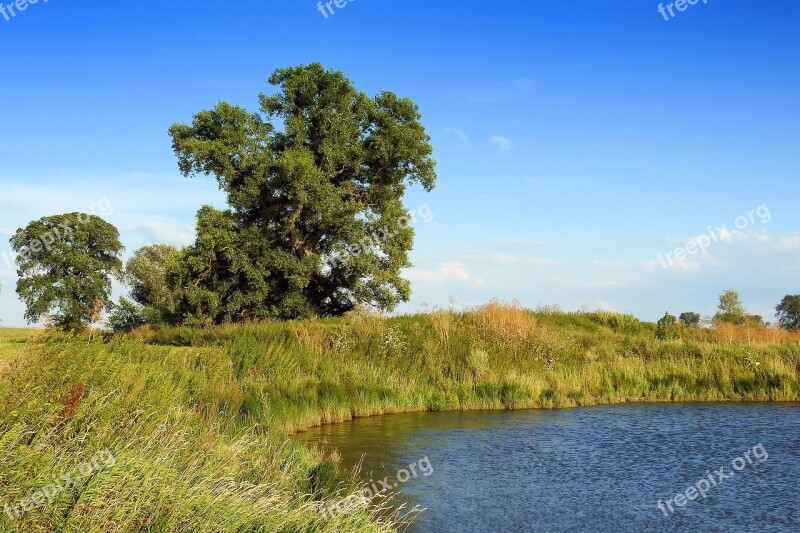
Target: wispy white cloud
{"points": [[502, 143], [459, 134], [161, 231], [504, 258], [445, 272], [588, 283], [726, 251], [125, 192]]}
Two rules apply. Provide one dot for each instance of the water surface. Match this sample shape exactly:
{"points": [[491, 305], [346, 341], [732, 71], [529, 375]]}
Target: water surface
{"points": [[586, 469]]}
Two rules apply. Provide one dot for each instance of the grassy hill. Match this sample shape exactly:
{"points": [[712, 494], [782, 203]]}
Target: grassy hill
{"points": [[197, 420]]}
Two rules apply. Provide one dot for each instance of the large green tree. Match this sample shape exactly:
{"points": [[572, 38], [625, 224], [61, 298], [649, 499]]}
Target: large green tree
{"points": [[788, 312], [314, 182], [65, 264]]}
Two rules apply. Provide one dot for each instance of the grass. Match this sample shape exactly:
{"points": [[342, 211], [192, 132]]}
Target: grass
{"points": [[12, 343], [198, 419]]}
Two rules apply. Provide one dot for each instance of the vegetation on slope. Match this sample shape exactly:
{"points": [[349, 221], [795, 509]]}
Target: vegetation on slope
{"points": [[197, 420], [12, 343]]}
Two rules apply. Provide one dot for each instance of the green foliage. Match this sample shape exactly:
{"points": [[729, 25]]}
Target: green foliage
{"points": [[312, 181], [65, 265], [690, 319], [146, 273], [665, 327], [788, 312], [731, 309], [623, 323], [126, 316]]}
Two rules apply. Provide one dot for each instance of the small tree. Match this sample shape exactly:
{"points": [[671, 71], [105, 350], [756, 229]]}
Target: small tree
{"points": [[665, 328], [65, 264], [731, 309], [146, 272], [788, 312], [755, 320], [126, 316], [690, 319]]}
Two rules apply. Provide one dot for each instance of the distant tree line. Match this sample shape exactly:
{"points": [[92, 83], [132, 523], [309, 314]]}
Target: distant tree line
{"points": [[731, 310]]}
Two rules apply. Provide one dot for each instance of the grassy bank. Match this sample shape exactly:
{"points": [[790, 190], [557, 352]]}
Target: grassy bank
{"points": [[12, 344], [197, 420]]}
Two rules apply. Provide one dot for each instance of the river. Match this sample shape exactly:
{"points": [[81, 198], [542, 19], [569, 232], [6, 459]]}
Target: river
{"points": [[657, 467]]}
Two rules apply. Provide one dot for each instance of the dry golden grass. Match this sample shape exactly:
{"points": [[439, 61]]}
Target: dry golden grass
{"points": [[501, 321], [442, 322], [309, 336], [723, 333]]}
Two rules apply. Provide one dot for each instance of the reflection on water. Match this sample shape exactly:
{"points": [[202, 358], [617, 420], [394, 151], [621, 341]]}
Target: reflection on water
{"points": [[588, 469]]}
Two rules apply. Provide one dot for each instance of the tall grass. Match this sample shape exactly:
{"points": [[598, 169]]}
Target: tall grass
{"points": [[198, 419], [183, 461], [13, 342], [299, 374]]}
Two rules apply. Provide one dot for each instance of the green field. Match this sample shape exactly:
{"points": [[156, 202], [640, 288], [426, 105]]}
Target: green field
{"points": [[12, 342], [198, 420]]}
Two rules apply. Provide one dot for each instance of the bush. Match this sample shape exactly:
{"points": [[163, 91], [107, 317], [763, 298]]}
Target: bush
{"points": [[665, 328], [126, 316]]}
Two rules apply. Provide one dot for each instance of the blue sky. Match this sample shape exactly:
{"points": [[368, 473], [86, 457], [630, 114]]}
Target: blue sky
{"points": [[575, 140]]}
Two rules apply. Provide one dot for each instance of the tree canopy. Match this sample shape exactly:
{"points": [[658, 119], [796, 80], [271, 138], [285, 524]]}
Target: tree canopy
{"points": [[320, 170], [65, 264], [690, 319], [788, 312], [731, 309]]}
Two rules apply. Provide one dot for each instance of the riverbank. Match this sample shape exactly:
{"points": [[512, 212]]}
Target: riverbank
{"points": [[197, 419]]}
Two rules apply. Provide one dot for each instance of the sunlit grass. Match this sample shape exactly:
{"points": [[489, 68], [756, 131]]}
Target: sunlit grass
{"points": [[12, 344], [199, 419]]}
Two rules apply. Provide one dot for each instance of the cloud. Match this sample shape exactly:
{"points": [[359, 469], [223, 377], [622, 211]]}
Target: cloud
{"points": [[735, 251], [459, 134], [36, 197], [589, 283], [502, 143], [453, 269], [445, 272], [161, 231], [503, 258]]}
